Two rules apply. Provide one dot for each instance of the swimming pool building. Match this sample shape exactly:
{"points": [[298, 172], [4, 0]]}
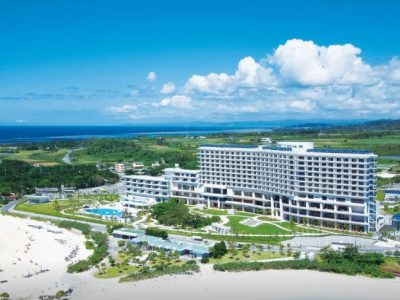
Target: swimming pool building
{"points": [[290, 180]]}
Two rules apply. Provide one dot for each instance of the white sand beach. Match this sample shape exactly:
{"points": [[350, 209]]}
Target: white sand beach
{"points": [[32, 260]]}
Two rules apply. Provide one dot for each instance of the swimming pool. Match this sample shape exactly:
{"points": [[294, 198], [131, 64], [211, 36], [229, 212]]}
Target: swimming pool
{"points": [[105, 212]]}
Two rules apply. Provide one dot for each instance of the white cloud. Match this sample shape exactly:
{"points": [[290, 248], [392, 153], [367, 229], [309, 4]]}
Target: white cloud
{"points": [[177, 101], [249, 74], [127, 108], [303, 105], [306, 63], [299, 79], [167, 88], [151, 76], [134, 93]]}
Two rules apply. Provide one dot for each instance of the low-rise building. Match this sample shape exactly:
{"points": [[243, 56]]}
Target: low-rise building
{"points": [[119, 168], [392, 195]]}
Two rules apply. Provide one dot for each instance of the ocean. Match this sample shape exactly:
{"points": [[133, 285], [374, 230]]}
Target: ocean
{"points": [[32, 134]]}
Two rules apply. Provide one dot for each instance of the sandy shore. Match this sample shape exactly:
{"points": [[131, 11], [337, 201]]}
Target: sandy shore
{"points": [[27, 250], [241, 286]]}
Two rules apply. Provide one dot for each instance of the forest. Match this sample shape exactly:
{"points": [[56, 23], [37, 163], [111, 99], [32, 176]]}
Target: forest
{"points": [[21, 177]]}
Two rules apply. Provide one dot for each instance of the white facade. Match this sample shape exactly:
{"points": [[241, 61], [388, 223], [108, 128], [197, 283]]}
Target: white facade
{"points": [[119, 168], [136, 165], [291, 181]]}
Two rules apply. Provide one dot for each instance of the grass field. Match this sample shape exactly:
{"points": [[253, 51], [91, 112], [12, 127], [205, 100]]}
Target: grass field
{"points": [[41, 157]]}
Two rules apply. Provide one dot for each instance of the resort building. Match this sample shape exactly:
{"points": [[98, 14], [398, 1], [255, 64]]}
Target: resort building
{"points": [[119, 168], [291, 181]]}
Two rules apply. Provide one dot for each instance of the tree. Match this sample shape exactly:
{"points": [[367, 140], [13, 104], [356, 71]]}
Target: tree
{"points": [[281, 248], [245, 250], [56, 205], [218, 250]]}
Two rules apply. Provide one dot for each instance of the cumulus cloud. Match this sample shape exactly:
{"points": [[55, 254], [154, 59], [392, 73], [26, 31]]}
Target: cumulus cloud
{"points": [[151, 76], [167, 88], [306, 63], [249, 73], [177, 101]]}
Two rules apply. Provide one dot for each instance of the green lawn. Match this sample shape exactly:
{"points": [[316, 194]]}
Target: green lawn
{"points": [[392, 210], [380, 195], [262, 229], [266, 218]]}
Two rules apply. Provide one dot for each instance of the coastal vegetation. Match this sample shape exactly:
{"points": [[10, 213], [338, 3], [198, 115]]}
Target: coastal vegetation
{"points": [[162, 269], [348, 261], [134, 263], [100, 241]]}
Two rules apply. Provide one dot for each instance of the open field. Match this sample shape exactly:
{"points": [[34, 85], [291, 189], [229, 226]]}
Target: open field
{"points": [[41, 157]]}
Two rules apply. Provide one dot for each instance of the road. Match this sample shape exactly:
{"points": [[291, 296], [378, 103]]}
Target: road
{"points": [[67, 158]]}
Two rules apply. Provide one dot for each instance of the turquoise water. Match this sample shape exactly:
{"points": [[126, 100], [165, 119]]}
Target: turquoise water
{"points": [[105, 211]]}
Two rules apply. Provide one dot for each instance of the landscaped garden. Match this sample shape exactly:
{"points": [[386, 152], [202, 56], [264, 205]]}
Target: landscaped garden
{"points": [[69, 208]]}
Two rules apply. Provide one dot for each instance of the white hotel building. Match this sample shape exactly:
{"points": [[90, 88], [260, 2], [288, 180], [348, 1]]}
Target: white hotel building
{"points": [[291, 181]]}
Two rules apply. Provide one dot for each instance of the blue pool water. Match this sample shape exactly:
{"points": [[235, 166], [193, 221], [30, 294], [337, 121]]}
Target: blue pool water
{"points": [[105, 211]]}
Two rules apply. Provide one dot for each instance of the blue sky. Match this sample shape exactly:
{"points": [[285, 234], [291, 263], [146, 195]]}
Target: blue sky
{"points": [[76, 62]]}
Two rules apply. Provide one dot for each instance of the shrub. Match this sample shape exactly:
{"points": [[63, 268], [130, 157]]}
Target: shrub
{"points": [[60, 294], [111, 228], [121, 243], [4, 296], [205, 260], [162, 269]]}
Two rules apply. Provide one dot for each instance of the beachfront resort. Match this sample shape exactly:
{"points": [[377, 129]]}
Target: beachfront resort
{"points": [[247, 206], [291, 181]]}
